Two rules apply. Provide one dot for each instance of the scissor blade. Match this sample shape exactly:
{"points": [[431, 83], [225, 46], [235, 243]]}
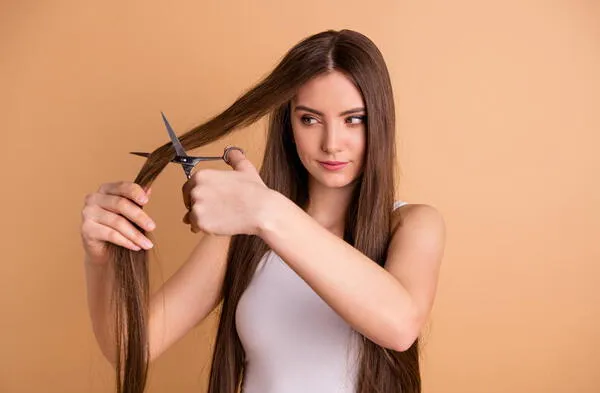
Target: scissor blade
{"points": [[176, 144], [187, 160], [137, 153]]}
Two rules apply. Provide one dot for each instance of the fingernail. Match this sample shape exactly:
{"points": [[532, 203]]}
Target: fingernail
{"points": [[151, 224], [147, 244]]}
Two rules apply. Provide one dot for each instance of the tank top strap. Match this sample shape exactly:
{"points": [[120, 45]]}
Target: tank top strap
{"points": [[398, 204]]}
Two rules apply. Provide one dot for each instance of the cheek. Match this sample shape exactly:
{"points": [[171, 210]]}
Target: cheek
{"points": [[300, 142], [304, 151], [304, 142], [358, 143]]}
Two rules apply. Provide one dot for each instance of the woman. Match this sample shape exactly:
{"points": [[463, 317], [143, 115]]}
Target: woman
{"points": [[325, 282]]}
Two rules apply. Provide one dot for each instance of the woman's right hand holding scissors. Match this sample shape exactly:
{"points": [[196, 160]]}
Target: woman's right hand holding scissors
{"points": [[107, 217]]}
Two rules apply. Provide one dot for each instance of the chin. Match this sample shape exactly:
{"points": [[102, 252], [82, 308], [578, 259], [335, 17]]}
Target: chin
{"points": [[335, 180]]}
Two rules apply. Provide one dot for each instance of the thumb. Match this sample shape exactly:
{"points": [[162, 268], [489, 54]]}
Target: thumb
{"points": [[235, 157]]}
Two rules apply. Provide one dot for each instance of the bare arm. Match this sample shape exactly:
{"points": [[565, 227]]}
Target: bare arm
{"points": [[189, 295], [387, 304], [182, 302], [99, 284]]}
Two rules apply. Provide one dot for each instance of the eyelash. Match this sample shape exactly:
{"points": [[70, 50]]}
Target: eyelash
{"points": [[360, 117]]}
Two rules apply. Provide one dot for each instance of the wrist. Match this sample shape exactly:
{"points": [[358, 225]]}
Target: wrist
{"points": [[269, 213], [97, 263]]}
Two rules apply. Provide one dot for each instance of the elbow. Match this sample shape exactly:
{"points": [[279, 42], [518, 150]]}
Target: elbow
{"points": [[407, 333], [405, 342], [106, 349], [110, 357]]}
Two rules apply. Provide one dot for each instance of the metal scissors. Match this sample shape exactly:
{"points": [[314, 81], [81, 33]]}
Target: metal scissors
{"points": [[187, 162]]}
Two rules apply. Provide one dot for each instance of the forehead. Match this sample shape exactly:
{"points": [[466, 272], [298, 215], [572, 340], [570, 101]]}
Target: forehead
{"points": [[330, 92]]}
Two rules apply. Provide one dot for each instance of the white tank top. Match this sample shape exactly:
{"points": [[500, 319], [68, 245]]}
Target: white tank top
{"points": [[294, 341]]}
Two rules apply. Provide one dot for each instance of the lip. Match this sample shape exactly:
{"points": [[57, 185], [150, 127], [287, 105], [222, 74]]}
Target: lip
{"points": [[333, 165]]}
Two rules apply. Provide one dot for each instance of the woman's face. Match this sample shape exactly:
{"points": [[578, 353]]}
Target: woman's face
{"points": [[329, 125]]}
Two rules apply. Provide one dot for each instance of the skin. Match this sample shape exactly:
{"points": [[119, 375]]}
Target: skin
{"points": [[324, 131], [400, 294]]}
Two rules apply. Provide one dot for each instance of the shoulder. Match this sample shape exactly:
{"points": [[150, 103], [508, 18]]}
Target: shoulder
{"points": [[422, 218]]}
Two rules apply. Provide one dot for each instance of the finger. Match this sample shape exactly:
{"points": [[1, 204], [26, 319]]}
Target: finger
{"points": [[107, 234], [191, 220], [128, 209], [125, 189], [123, 228], [196, 229], [186, 190], [236, 158]]}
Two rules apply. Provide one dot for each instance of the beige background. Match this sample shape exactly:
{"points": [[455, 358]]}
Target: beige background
{"points": [[498, 106]]}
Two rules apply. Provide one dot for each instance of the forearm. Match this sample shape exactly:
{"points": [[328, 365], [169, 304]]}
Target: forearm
{"points": [[99, 283], [363, 293]]}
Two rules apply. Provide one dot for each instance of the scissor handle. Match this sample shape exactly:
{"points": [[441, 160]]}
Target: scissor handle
{"points": [[189, 162]]}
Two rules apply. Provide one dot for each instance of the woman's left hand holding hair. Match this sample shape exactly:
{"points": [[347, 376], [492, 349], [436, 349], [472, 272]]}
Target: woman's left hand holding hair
{"points": [[226, 202]]}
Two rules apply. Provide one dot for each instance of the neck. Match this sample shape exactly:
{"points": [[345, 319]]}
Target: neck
{"points": [[328, 206]]}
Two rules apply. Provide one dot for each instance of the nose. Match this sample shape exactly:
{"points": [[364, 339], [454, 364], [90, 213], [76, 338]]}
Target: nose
{"points": [[332, 138]]}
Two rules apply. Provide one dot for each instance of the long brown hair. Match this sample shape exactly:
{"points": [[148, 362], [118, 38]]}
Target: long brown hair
{"points": [[368, 218]]}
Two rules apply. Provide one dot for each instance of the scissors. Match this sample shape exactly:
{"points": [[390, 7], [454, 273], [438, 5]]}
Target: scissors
{"points": [[187, 162]]}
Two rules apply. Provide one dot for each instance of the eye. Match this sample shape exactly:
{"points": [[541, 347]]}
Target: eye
{"points": [[356, 119], [307, 120]]}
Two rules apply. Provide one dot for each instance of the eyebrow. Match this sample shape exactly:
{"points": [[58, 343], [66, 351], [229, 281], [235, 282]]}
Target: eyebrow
{"points": [[316, 112]]}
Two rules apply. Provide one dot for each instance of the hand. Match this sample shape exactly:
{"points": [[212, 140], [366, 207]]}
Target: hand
{"points": [[226, 202], [107, 216]]}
